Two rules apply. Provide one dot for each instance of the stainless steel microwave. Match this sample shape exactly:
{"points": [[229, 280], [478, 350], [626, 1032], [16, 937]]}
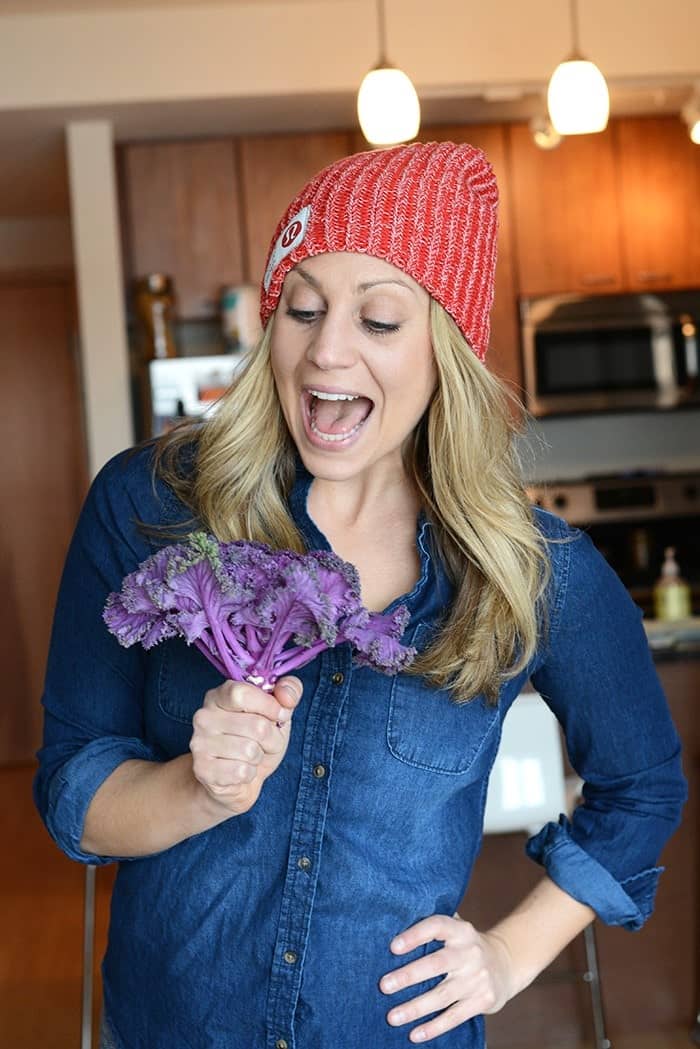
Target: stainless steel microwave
{"points": [[587, 353]]}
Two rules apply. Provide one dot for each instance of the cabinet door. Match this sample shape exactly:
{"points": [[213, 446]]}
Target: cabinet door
{"points": [[565, 213], [274, 168], [660, 196], [183, 218], [504, 357], [42, 465]]}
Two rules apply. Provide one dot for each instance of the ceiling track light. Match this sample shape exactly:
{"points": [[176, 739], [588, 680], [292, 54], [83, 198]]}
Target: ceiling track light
{"points": [[387, 104], [577, 97], [544, 134]]}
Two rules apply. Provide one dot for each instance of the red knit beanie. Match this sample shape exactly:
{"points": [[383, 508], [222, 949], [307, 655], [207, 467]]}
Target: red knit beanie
{"points": [[429, 209]]}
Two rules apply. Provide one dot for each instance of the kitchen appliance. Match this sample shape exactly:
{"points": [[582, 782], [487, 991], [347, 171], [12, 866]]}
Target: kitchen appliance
{"points": [[632, 520], [187, 387], [587, 353]]}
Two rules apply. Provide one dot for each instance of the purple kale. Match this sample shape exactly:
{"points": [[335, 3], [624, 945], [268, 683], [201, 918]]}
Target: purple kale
{"points": [[254, 612]]}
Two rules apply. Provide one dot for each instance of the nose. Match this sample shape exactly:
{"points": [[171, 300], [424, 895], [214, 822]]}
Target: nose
{"points": [[332, 345]]}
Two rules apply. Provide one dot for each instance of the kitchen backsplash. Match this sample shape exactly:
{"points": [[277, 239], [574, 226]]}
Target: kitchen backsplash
{"points": [[581, 446]]}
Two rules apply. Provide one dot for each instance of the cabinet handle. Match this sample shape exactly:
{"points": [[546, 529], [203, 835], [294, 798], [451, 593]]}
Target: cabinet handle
{"points": [[598, 279], [650, 275]]}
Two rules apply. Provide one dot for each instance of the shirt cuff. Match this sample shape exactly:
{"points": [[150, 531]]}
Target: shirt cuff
{"points": [[74, 785], [627, 903]]}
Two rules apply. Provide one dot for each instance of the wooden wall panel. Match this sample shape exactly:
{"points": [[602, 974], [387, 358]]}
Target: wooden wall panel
{"points": [[43, 482]]}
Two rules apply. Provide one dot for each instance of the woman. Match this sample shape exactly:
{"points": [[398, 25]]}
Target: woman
{"points": [[292, 861]]}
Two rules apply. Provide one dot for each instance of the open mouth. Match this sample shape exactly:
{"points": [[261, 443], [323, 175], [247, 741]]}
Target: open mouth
{"points": [[335, 417]]}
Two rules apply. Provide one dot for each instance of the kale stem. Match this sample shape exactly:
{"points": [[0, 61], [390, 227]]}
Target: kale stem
{"points": [[298, 657], [244, 657], [233, 671]]}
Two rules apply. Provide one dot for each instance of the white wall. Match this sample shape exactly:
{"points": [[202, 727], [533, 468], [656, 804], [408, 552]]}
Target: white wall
{"points": [[277, 47]]}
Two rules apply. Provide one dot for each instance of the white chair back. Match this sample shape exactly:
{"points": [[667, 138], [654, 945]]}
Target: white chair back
{"points": [[527, 787]]}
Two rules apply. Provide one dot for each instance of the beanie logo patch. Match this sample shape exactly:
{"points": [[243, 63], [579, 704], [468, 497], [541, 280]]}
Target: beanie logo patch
{"points": [[290, 238]]}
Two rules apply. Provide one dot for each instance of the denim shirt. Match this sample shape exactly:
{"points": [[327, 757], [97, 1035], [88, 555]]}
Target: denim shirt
{"points": [[272, 929]]}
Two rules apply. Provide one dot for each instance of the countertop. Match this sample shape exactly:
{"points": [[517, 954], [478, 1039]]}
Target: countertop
{"points": [[679, 639]]}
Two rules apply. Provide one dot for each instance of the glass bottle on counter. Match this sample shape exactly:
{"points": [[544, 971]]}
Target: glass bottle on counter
{"points": [[671, 593], [154, 300], [154, 309]]}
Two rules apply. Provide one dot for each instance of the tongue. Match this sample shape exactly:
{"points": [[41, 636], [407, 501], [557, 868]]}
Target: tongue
{"points": [[340, 416]]}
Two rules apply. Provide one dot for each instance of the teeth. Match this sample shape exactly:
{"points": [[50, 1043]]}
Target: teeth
{"points": [[334, 396]]}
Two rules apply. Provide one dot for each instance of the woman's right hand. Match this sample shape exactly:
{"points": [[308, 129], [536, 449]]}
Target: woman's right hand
{"points": [[240, 736]]}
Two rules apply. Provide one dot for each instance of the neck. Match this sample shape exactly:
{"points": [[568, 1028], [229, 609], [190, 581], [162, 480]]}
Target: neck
{"points": [[360, 501]]}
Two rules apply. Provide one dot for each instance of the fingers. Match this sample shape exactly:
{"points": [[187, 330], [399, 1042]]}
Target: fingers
{"points": [[243, 736], [240, 735], [436, 927], [467, 987], [452, 1017], [237, 697], [473, 993], [287, 692]]}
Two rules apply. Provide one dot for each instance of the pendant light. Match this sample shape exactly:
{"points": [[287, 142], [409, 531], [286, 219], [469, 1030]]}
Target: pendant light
{"points": [[387, 104], [577, 96]]}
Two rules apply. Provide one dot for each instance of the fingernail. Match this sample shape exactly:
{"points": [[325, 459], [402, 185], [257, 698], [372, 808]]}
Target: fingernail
{"points": [[388, 984], [398, 944], [396, 1017], [418, 1035], [283, 715]]}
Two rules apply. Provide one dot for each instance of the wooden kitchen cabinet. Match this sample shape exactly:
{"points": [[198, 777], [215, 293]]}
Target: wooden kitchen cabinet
{"points": [[273, 169], [565, 214], [659, 182], [183, 217], [504, 356]]}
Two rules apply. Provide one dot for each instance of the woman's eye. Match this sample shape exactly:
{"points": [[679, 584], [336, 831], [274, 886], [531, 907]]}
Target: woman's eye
{"points": [[303, 316], [379, 327]]}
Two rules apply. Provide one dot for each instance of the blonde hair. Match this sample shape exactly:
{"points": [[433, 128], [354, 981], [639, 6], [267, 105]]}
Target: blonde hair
{"points": [[460, 457]]}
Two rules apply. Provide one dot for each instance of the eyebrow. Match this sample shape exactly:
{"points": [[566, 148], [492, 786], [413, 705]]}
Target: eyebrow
{"points": [[365, 286]]}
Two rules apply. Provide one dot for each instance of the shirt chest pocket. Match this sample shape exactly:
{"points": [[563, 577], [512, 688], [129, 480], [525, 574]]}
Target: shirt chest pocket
{"points": [[178, 678], [428, 730]]}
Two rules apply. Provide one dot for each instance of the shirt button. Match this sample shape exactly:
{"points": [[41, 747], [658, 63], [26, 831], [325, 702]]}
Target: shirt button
{"points": [[338, 678], [304, 863], [319, 771], [281, 1043], [290, 957]]}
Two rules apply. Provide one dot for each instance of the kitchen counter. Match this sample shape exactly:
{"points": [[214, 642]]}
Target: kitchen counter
{"points": [[674, 640]]}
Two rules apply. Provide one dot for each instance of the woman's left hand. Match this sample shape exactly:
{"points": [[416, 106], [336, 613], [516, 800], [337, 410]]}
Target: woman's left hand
{"points": [[477, 970]]}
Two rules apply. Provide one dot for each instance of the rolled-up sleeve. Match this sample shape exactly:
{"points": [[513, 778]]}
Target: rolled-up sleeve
{"points": [[598, 677], [93, 717]]}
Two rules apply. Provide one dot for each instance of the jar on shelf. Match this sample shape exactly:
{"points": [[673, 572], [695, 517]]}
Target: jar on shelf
{"points": [[240, 319], [154, 301]]}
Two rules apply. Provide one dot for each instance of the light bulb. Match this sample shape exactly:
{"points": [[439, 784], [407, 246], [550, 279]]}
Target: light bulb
{"points": [[577, 98], [387, 107]]}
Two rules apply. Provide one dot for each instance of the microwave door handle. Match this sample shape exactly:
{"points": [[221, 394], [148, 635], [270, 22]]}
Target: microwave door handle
{"points": [[664, 364]]}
